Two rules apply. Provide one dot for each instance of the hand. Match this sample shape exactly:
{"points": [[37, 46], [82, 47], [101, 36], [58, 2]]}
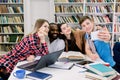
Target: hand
{"points": [[94, 56], [31, 58], [104, 35], [42, 35]]}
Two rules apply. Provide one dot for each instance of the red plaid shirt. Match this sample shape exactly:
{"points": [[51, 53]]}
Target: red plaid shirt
{"points": [[30, 45]]}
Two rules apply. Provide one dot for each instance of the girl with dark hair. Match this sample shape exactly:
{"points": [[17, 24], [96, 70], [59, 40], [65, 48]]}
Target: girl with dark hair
{"points": [[74, 40]]}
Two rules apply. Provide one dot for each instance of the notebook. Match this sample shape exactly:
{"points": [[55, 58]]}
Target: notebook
{"points": [[62, 65], [101, 69], [92, 75], [39, 75], [44, 61]]}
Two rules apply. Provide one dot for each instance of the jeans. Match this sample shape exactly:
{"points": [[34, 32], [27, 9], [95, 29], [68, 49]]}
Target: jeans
{"points": [[116, 57]]}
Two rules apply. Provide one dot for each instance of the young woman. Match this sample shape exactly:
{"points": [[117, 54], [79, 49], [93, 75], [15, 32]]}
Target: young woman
{"points": [[33, 44], [102, 46], [74, 40]]}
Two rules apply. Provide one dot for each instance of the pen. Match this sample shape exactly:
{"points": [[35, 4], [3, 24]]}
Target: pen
{"points": [[65, 62]]}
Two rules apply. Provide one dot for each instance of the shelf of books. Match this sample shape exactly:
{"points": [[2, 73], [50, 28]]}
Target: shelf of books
{"points": [[11, 24], [105, 13], [117, 22], [68, 11]]}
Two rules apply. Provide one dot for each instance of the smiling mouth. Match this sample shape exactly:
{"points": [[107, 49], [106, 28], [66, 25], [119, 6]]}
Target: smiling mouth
{"points": [[55, 34]]}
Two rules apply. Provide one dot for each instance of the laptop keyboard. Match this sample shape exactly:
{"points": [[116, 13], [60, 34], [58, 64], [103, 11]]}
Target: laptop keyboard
{"points": [[29, 65]]}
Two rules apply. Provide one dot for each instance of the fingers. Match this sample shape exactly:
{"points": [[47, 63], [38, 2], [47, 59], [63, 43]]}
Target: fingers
{"points": [[104, 29], [41, 36], [43, 32], [94, 56], [104, 35], [31, 58]]}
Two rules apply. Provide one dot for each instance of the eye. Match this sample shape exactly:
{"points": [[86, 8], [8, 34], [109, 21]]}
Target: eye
{"points": [[67, 25], [45, 26], [88, 23], [83, 25]]}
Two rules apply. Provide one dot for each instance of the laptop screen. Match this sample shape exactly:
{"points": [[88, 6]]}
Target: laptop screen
{"points": [[44, 61], [48, 59]]}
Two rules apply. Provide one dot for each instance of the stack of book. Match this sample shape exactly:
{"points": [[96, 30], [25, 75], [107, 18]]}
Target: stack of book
{"points": [[100, 72]]}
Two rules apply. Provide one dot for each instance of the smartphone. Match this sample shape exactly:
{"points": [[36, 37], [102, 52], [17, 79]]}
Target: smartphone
{"points": [[84, 62], [94, 35]]}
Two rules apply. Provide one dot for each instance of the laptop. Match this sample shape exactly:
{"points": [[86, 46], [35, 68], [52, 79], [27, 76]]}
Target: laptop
{"points": [[44, 61]]}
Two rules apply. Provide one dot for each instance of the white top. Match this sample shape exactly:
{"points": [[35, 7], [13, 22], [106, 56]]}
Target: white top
{"points": [[56, 45]]}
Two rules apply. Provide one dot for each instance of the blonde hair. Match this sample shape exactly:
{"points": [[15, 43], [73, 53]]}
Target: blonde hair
{"points": [[38, 24]]}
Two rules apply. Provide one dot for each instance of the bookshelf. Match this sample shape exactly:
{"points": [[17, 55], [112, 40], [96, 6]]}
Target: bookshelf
{"points": [[68, 12], [11, 24], [104, 12], [117, 21]]}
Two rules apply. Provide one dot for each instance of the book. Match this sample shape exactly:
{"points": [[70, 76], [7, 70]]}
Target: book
{"points": [[117, 77], [62, 65], [92, 75], [38, 75], [101, 69], [83, 63], [72, 55]]}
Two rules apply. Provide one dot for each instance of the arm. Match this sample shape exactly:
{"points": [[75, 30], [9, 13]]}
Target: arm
{"points": [[37, 46], [31, 58], [89, 53]]}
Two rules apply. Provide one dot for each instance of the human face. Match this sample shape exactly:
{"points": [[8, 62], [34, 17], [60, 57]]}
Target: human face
{"points": [[54, 31], [44, 28], [87, 25], [65, 29]]}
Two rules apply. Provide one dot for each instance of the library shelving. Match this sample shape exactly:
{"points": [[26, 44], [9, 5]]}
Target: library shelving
{"points": [[105, 13], [116, 31], [68, 12], [11, 24]]}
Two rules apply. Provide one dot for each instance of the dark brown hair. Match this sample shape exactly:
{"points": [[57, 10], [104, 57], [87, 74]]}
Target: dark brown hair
{"points": [[62, 36]]}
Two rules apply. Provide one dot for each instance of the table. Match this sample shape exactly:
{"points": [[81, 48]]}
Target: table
{"points": [[57, 74], [75, 73]]}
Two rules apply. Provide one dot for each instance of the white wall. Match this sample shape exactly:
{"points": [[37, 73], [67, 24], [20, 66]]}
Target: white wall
{"points": [[34, 9]]}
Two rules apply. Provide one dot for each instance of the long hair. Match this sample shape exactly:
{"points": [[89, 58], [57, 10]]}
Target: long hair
{"points": [[38, 24], [62, 36]]}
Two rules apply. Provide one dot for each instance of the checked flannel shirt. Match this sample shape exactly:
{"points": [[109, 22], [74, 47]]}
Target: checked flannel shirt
{"points": [[29, 45]]}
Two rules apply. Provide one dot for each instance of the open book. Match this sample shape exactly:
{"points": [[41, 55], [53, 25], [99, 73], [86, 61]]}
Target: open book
{"points": [[73, 55]]}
